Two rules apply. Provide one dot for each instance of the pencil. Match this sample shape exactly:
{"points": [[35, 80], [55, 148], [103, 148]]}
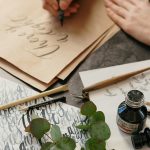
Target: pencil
{"points": [[113, 80], [40, 95]]}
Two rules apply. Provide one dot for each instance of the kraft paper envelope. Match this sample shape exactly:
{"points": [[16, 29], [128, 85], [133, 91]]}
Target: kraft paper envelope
{"points": [[43, 86], [25, 77], [37, 83], [108, 34], [33, 41], [105, 37]]}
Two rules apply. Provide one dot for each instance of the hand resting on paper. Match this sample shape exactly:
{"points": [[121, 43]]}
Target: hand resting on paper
{"points": [[67, 5], [133, 16]]}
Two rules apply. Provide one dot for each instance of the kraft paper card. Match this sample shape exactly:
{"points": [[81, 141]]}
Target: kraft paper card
{"points": [[34, 42], [82, 56], [111, 33], [41, 85], [25, 77], [104, 38]]}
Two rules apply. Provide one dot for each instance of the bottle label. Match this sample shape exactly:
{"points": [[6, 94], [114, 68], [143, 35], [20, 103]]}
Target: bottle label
{"points": [[126, 126]]}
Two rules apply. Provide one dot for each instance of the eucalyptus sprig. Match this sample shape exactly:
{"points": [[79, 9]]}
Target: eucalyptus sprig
{"points": [[39, 127], [95, 125]]}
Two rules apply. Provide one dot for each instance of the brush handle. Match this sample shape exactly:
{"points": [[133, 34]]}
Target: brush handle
{"points": [[113, 80], [40, 95]]}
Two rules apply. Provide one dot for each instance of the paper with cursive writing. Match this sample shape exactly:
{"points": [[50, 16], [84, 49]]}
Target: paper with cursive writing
{"points": [[32, 39], [13, 122], [109, 98], [63, 74]]}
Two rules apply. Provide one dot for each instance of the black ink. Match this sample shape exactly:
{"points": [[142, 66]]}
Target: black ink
{"points": [[109, 93], [32, 40], [43, 42], [22, 34], [29, 36], [63, 38], [19, 19]]}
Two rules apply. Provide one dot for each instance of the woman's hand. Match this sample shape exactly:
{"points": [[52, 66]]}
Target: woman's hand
{"points": [[133, 16], [66, 5]]}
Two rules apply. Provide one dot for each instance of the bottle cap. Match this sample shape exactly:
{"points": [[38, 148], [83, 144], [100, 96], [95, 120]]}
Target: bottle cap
{"points": [[140, 139], [135, 99]]}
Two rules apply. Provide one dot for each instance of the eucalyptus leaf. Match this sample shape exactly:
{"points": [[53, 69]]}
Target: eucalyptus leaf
{"points": [[97, 116], [66, 143], [55, 148], [88, 109], [47, 146], [100, 131], [95, 144], [83, 127], [39, 127], [55, 133]]}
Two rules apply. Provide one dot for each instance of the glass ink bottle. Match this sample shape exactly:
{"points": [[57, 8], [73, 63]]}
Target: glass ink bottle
{"points": [[132, 113]]}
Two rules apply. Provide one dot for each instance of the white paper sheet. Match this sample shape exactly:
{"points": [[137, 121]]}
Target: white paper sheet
{"points": [[109, 98], [13, 122]]}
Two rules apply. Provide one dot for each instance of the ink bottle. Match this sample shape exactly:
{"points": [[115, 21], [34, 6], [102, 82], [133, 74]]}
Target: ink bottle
{"points": [[132, 113]]}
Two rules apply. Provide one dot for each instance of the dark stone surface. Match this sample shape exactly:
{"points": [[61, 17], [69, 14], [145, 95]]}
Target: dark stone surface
{"points": [[120, 49]]}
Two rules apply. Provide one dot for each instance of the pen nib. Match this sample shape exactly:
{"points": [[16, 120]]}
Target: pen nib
{"points": [[61, 17], [60, 14]]}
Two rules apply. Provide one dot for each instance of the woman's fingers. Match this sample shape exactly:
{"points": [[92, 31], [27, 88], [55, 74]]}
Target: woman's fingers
{"points": [[64, 4], [116, 18], [68, 7], [52, 3], [50, 9], [134, 20], [116, 9], [123, 3]]}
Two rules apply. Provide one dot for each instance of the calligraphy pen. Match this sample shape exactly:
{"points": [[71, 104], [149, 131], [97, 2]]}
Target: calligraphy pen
{"points": [[41, 104], [60, 14], [113, 80]]}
